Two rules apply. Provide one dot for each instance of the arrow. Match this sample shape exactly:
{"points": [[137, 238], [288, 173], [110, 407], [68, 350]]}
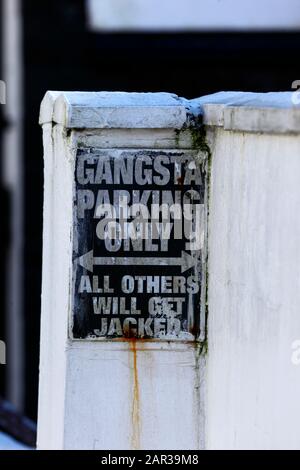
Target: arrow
{"points": [[186, 261]]}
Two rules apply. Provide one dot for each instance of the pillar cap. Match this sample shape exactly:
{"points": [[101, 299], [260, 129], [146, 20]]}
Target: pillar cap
{"points": [[274, 112], [99, 110]]}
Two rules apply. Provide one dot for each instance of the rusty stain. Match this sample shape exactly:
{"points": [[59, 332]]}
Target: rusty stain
{"points": [[129, 332], [180, 180], [194, 330], [135, 414]]}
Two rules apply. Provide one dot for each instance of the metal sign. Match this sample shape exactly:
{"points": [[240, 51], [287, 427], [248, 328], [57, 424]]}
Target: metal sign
{"points": [[139, 227]]}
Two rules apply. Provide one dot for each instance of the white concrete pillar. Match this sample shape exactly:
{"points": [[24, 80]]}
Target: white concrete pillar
{"points": [[108, 379]]}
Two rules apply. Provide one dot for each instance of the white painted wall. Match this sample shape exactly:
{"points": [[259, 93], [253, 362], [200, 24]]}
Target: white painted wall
{"points": [[133, 395], [195, 15], [254, 295], [254, 278]]}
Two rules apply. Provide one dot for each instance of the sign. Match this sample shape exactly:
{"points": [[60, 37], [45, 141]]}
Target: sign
{"points": [[138, 243]]}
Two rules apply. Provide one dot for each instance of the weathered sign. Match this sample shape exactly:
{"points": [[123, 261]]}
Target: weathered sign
{"points": [[138, 244]]}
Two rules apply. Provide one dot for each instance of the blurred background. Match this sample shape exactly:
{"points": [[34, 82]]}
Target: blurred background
{"points": [[190, 47]]}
